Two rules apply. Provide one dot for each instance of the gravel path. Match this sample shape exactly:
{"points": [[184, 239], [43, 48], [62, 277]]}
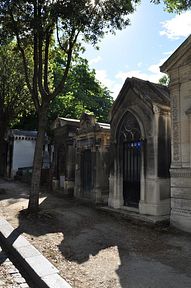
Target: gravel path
{"points": [[92, 249]]}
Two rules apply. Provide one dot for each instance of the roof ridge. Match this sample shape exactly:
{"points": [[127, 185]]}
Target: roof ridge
{"points": [[155, 88]]}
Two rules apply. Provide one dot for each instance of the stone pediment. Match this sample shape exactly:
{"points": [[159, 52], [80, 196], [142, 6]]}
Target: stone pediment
{"points": [[180, 57], [140, 92]]}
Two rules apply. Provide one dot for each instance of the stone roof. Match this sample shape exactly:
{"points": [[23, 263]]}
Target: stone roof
{"points": [[153, 93], [17, 132], [61, 121], [177, 55], [104, 125]]}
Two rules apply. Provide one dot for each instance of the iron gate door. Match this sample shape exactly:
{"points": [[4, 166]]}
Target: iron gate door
{"points": [[132, 172], [86, 173]]}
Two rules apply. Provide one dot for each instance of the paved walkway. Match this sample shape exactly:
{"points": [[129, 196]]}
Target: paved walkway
{"points": [[9, 274]]}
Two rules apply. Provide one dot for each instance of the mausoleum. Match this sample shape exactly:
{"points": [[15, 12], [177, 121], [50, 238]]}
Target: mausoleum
{"points": [[178, 67], [140, 148], [64, 130], [92, 160]]}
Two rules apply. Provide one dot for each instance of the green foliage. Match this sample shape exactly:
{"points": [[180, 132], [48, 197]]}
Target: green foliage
{"points": [[14, 97], [82, 93], [175, 5], [35, 22], [164, 80]]}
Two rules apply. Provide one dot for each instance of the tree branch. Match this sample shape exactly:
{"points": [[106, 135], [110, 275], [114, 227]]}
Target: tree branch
{"points": [[21, 51], [47, 43], [40, 53], [35, 62]]}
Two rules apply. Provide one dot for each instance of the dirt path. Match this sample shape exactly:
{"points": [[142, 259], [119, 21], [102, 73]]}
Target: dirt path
{"points": [[94, 249]]}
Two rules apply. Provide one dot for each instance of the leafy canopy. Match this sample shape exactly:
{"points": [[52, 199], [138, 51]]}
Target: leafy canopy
{"points": [[36, 22], [14, 97], [175, 5], [82, 93]]}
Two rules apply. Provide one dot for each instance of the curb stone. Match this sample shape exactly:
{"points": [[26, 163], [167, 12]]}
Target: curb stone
{"points": [[36, 266]]}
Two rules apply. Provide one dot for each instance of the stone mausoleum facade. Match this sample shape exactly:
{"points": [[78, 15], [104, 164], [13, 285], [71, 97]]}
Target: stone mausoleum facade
{"points": [[64, 133], [92, 160], [178, 67], [138, 162], [140, 147]]}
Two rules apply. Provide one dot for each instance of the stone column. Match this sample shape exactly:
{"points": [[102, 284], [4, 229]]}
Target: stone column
{"points": [[115, 181]]}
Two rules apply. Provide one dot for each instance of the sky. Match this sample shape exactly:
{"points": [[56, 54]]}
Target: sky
{"points": [[141, 48]]}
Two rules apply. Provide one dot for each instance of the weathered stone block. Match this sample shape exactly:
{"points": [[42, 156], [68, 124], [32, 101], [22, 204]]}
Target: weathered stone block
{"points": [[55, 281]]}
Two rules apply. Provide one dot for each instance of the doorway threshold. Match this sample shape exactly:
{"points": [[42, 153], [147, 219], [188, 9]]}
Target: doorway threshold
{"points": [[133, 215]]}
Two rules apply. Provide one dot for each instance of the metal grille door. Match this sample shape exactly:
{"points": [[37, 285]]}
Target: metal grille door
{"points": [[131, 172]]}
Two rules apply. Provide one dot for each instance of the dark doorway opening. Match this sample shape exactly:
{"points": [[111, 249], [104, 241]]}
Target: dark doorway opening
{"points": [[86, 173], [131, 152], [132, 172]]}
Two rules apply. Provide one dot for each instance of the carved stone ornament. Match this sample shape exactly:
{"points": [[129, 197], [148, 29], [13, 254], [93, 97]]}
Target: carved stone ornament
{"points": [[180, 172], [129, 129], [156, 109]]}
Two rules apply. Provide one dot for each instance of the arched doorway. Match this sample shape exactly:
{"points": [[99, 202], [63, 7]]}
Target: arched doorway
{"points": [[86, 173], [131, 146]]}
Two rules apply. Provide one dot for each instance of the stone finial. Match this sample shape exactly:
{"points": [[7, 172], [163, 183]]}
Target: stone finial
{"points": [[87, 121]]}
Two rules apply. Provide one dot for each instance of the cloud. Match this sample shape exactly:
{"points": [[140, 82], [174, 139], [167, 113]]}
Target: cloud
{"points": [[179, 26], [112, 85], [152, 73], [94, 60], [139, 64]]}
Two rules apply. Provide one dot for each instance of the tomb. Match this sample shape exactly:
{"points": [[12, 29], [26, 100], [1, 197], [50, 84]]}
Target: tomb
{"points": [[140, 149], [178, 67], [20, 150], [64, 132], [92, 160]]}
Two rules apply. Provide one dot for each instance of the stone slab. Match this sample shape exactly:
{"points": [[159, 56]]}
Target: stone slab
{"points": [[147, 219], [39, 269], [55, 281], [5, 228], [28, 251], [41, 265]]}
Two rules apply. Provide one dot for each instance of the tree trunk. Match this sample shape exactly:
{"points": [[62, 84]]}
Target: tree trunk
{"points": [[3, 147], [33, 205]]}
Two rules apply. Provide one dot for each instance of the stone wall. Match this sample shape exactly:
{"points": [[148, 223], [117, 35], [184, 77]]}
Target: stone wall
{"points": [[178, 67]]}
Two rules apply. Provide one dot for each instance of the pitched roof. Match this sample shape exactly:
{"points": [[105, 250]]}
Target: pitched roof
{"points": [[148, 91], [177, 55]]}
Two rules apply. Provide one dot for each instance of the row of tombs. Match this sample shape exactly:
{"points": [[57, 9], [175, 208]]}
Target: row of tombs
{"points": [[142, 162], [125, 164]]}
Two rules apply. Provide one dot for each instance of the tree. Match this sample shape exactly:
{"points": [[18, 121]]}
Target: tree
{"points": [[164, 80], [83, 92], [175, 5], [14, 96], [34, 23]]}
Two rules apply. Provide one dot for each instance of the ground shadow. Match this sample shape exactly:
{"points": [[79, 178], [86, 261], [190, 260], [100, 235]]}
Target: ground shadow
{"points": [[13, 190], [88, 233]]}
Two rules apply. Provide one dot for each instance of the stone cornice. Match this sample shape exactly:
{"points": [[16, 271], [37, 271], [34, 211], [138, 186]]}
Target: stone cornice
{"points": [[180, 172]]}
